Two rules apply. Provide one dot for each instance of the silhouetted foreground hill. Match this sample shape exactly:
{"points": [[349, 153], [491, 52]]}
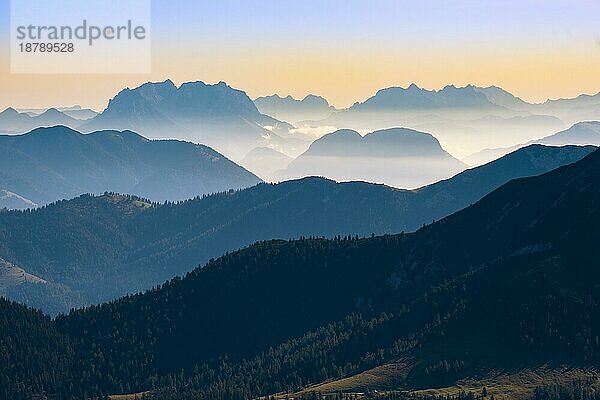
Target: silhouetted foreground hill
{"points": [[509, 282], [94, 249], [50, 164]]}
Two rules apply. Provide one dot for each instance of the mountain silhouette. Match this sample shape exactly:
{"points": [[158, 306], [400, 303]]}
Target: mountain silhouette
{"points": [[215, 115], [93, 249], [12, 121], [503, 98], [413, 97], [509, 283], [292, 110], [584, 107], [398, 157], [581, 134], [76, 111], [464, 119], [49, 164]]}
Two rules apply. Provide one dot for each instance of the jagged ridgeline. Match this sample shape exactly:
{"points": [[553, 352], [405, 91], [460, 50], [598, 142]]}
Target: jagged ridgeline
{"points": [[508, 283]]}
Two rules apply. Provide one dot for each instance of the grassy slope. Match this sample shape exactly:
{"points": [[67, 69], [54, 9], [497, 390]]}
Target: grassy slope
{"points": [[503, 385]]}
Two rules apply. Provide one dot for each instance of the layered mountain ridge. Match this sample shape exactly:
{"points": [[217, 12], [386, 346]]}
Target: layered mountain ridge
{"points": [[435, 303], [398, 157], [93, 249], [50, 164]]}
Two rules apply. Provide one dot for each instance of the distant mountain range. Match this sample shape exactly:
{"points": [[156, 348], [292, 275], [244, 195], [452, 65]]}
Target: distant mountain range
{"points": [[92, 249], [294, 111], [397, 157], [507, 284], [265, 162], [581, 134], [76, 112], [464, 119], [215, 115], [500, 97], [584, 107], [50, 164], [12, 121], [416, 98]]}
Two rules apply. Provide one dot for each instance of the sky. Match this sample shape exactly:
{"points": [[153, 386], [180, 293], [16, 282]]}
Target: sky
{"points": [[345, 50]]}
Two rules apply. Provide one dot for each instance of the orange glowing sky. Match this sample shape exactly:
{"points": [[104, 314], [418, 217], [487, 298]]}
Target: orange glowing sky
{"points": [[347, 50]]}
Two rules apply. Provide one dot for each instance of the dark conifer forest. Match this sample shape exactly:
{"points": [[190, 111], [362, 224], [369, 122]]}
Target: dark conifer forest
{"points": [[510, 282]]}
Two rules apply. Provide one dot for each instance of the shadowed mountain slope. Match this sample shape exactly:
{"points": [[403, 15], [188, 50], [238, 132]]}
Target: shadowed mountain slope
{"points": [[92, 249], [50, 164], [508, 283]]}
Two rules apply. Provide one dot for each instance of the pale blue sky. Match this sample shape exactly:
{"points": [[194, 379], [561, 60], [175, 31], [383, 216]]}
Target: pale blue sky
{"points": [[335, 21], [346, 49]]}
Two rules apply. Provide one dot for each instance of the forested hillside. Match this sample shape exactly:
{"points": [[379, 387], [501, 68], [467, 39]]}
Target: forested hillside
{"points": [[507, 283], [93, 249]]}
